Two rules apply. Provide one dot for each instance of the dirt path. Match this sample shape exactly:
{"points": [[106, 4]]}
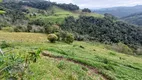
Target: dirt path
{"points": [[91, 69]]}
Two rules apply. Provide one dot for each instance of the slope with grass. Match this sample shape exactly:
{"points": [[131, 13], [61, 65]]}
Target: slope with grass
{"points": [[76, 59]]}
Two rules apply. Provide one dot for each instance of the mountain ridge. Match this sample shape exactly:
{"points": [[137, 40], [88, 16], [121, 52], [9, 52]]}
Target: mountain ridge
{"points": [[135, 19], [120, 11]]}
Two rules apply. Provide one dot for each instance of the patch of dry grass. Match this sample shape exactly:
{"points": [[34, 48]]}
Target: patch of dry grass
{"points": [[22, 37]]}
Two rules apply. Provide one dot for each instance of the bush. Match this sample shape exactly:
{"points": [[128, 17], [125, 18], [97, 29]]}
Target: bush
{"points": [[20, 28], [122, 48], [4, 44], [65, 36], [79, 37], [17, 66], [8, 29], [69, 38], [86, 10], [58, 35], [61, 65], [139, 51], [52, 38]]}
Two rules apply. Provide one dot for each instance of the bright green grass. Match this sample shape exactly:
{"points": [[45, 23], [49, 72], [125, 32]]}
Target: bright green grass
{"points": [[114, 65], [1, 0], [2, 12]]}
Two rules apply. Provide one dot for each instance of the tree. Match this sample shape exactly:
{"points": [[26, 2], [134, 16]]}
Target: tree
{"points": [[69, 38], [86, 10], [52, 38]]}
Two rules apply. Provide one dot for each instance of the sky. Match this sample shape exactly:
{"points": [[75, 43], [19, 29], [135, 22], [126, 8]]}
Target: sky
{"points": [[97, 4]]}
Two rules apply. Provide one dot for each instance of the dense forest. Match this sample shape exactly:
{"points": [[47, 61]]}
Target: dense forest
{"points": [[104, 30]]}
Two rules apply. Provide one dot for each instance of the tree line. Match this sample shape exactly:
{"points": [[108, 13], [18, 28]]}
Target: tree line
{"points": [[48, 4]]}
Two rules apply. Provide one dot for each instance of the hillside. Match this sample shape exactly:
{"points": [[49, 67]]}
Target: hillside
{"points": [[72, 62], [56, 14], [134, 19], [29, 16], [42, 40], [121, 11], [24, 12]]}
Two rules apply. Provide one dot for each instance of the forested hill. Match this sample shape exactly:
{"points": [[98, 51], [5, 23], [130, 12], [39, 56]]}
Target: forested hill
{"points": [[106, 30], [134, 19], [121, 11], [49, 17]]}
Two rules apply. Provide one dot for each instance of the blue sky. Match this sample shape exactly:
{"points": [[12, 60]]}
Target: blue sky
{"points": [[95, 4]]}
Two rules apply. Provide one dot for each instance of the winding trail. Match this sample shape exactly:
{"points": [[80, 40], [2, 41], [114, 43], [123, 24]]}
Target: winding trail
{"points": [[90, 68]]}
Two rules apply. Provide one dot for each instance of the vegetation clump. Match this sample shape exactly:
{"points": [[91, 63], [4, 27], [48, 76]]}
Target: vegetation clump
{"points": [[16, 66], [4, 44], [52, 38], [65, 36], [122, 48], [69, 38], [86, 10]]}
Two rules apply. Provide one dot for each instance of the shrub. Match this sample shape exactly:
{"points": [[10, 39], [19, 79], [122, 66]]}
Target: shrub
{"points": [[20, 28], [17, 66], [52, 38], [86, 10], [69, 38], [139, 51], [61, 65], [29, 28], [79, 37], [4, 44], [8, 29], [122, 48], [59, 36], [65, 36]]}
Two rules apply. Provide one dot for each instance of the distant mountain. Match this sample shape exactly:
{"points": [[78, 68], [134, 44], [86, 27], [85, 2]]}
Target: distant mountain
{"points": [[134, 19], [121, 11]]}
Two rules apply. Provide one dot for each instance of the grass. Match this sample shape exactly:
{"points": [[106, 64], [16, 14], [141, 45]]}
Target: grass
{"points": [[55, 14], [2, 12], [111, 64]]}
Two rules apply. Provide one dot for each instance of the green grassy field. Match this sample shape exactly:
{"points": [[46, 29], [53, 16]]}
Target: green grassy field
{"points": [[76, 61]]}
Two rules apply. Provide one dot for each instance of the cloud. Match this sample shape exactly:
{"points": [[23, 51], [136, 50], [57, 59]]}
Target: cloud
{"points": [[101, 3]]}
